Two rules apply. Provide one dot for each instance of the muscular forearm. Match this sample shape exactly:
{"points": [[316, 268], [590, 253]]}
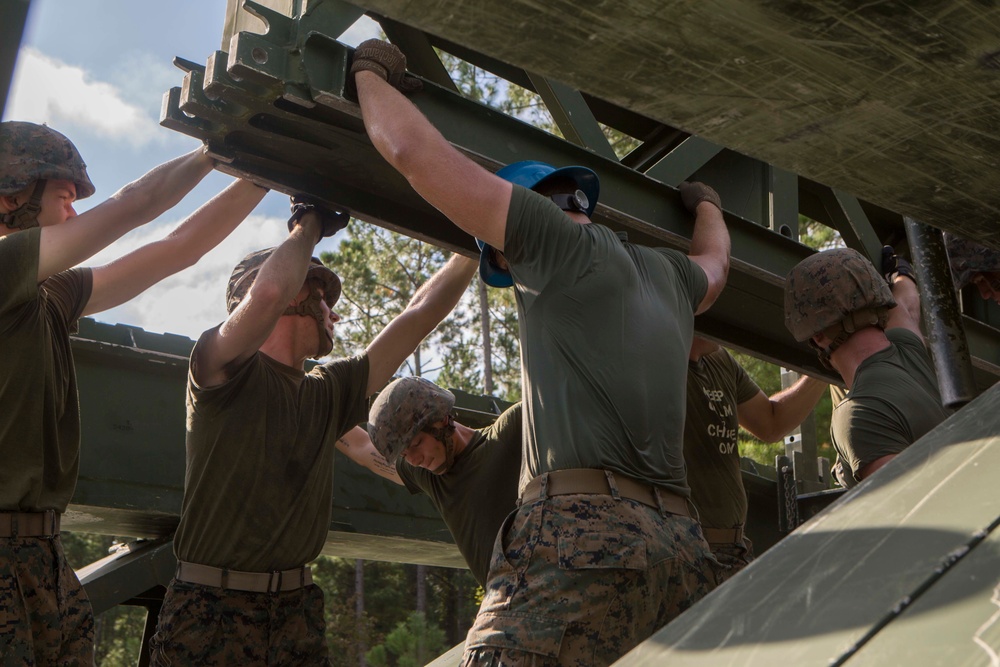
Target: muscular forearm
{"points": [[130, 275], [139, 202], [710, 248], [771, 419], [357, 446], [431, 304]]}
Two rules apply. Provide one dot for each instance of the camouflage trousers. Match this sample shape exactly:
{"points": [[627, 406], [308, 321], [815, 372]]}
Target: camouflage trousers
{"points": [[733, 557], [45, 616], [579, 580], [204, 625]]}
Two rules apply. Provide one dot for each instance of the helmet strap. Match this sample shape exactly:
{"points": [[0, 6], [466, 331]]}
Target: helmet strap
{"points": [[310, 307], [446, 434], [25, 216], [841, 331]]}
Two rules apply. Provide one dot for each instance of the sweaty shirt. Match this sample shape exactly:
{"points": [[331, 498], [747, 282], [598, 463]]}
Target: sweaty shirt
{"points": [[479, 491], [716, 385], [605, 328], [893, 402], [258, 489], [39, 406]]}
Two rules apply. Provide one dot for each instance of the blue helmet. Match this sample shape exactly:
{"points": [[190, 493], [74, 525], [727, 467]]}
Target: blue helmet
{"points": [[530, 174]]}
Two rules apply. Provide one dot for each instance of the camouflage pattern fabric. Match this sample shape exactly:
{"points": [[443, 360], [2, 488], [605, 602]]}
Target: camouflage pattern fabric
{"points": [[967, 258], [579, 580], [732, 557], [821, 290], [45, 616], [204, 625], [402, 410], [29, 152], [245, 273]]}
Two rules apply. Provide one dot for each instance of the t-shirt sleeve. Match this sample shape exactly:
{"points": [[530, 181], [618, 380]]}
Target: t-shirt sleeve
{"points": [[211, 400], [542, 243], [691, 277], [68, 292], [866, 430], [18, 269], [746, 388], [349, 377], [411, 476], [508, 425]]}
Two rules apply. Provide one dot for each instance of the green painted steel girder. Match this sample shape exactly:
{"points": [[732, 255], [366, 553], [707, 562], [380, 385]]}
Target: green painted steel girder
{"points": [[278, 113], [892, 102]]}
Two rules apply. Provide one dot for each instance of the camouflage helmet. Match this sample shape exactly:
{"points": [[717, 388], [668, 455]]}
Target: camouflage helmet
{"points": [[403, 409], [29, 152], [246, 272], [826, 291], [967, 258]]}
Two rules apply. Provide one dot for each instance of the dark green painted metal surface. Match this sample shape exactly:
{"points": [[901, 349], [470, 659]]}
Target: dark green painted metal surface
{"points": [[893, 102], [275, 109], [903, 570], [132, 463]]}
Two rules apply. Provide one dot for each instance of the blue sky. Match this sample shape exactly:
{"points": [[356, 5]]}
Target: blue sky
{"points": [[96, 70]]}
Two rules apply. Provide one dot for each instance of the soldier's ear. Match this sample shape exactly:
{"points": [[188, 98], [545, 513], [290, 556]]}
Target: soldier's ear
{"points": [[8, 203]]}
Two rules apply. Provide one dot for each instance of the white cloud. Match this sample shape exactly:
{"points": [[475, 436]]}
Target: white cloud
{"points": [[45, 90]]}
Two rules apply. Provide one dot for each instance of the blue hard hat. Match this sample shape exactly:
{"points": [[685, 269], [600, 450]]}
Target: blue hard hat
{"points": [[492, 274], [532, 173]]}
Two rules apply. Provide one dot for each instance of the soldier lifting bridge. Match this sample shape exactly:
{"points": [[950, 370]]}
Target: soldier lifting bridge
{"points": [[774, 81]]}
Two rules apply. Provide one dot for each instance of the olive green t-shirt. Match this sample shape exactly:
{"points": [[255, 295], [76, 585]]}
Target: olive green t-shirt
{"points": [[39, 406], [258, 489], [479, 491], [605, 329], [716, 385], [893, 402]]}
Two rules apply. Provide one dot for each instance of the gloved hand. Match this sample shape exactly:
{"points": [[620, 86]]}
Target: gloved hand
{"points": [[387, 61], [694, 193], [333, 221], [893, 265]]}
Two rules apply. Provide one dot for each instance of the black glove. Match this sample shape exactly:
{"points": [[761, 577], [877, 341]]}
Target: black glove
{"points": [[333, 221], [387, 61], [893, 265], [694, 193]]}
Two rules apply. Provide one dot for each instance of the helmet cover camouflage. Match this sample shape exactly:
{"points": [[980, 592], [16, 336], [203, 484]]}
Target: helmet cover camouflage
{"points": [[823, 289], [402, 410], [967, 258], [29, 152], [246, 272]]}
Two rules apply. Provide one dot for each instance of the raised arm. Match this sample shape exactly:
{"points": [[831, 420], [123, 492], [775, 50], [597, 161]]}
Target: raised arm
{"points": [[710, 239], [64, 246], [357, 446], [906, 314], [470, 196], [771, 419], [280, 278], [899, 274], [433, 301], [123, 279]]}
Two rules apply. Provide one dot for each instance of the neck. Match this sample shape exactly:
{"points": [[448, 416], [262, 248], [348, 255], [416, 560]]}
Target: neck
{"points": [[462, 437], [861, 345], [283, 345]]}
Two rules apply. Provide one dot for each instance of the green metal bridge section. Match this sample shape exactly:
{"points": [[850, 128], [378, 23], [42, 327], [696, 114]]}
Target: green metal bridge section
{"points": [[866, 118]]}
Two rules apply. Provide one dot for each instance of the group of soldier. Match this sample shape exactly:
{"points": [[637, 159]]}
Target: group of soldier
{"points": [[606, 503]]}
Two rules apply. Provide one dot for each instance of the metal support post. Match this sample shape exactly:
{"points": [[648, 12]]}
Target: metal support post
{"points": [[941, 315]]}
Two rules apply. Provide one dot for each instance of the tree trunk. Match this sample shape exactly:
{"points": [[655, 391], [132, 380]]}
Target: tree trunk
{"points": [[422, 589], [359, 609], [484, 312], [417, 370]]}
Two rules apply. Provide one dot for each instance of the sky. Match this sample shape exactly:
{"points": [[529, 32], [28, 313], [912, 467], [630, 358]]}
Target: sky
{"points": [[96, 70]]}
